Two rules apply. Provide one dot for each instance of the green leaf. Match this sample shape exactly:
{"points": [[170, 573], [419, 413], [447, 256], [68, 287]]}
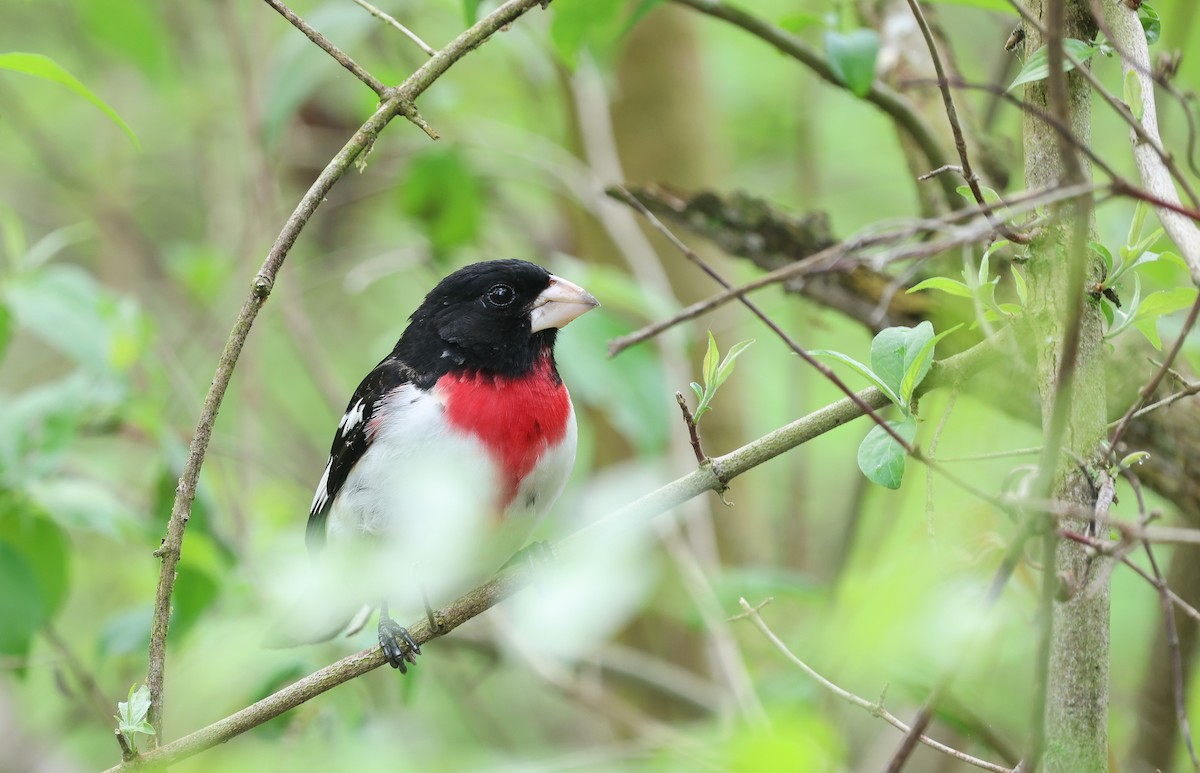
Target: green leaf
{"points": [[1150, 23], [945, 285], [470, 11], [711, 360], [20, 602], [1105, 255], [863, 370], [1019, 284], [725, 370], [893, 352], [1166, 302], [25, 528], [851, 56], [918, 368], [1157, 305], [126, 633], [195, 592], [1037, 66], [1137, 457], [580, 24], [1133, 94], [881, 458], [443, 192], [44, 67]]}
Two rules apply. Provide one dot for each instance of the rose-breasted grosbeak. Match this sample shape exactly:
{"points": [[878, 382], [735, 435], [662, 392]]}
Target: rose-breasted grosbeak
{"points": [[469, 402]]}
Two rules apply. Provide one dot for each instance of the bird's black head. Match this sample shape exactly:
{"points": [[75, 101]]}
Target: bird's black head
{"points": [[494, 317]]}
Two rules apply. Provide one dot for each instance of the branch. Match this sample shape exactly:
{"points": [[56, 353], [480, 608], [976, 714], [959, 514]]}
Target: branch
{"points": [[960, 142], [874, 708], [325, 45], [854, 249], [950, 371], [399, 102], [1129, 39], [385, 17], [881, 95]]}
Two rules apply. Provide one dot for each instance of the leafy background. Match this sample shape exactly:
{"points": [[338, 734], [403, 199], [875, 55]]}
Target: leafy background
{"points": [[129, 240]]}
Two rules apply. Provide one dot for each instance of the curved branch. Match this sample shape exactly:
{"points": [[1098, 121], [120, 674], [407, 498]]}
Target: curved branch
{"points": [[398, 102]]}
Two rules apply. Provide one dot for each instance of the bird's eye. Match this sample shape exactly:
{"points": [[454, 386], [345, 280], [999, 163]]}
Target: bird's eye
{"points": [[501, 295]]}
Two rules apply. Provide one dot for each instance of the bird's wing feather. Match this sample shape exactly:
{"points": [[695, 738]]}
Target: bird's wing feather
{"points": [[354, 435]]}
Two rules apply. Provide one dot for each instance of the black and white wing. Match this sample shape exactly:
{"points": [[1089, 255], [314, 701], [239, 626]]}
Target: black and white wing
{"points": [[353, 437]]}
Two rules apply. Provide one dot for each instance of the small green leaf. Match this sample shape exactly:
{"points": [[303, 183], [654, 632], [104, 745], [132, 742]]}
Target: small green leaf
{"points": [[726, 367], [1037, 66], [1137, 457], [863, 370], [580, 24], [881, 458], [699, 390], [711, 360], [851, 56], [1133, 94], [945, 285], [1166, 302], [1019, 284], [918, 368], [1105, 255], [893, 351], [1150, 23], [445, 194], [41, 66]]}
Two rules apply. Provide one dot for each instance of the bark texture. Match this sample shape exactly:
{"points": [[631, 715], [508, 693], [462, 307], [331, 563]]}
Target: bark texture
{"points": [[1075, 711]]}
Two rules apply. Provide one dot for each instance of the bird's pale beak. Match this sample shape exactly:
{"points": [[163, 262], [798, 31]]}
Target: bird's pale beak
{"points": [[558, 304]]}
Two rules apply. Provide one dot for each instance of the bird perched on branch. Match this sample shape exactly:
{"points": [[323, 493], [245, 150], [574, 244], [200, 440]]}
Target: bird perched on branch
{"points": [[464, 433]]}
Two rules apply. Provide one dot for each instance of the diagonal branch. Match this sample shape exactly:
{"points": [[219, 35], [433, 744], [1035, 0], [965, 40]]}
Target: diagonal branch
{"points": [[399, 102], [328, 47]]}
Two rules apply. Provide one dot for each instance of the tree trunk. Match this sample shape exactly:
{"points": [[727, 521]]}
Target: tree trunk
{"points": [[1075, 710]]}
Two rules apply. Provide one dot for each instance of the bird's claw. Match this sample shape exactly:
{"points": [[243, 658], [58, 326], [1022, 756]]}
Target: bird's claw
{"points": [[397, 644]]}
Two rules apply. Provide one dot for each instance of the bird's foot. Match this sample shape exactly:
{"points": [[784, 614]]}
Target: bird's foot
{"points": [[397, 644]]}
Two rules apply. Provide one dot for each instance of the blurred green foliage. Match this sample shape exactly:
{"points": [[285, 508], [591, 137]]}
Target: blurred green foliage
{"points": [[124, 266]]}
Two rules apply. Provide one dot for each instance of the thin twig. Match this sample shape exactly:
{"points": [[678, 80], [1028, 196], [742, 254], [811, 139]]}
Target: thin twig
{"points": [[852, 248], [87, 682], [384, 16], [1145, 392], [127, 752], [690, 421], [960, 141], [875, 708], [399, 101], [881, 95], [328, 47], [1172, 631]]}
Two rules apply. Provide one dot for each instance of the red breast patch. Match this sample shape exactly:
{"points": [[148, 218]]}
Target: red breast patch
{"points": [[517, 419]]}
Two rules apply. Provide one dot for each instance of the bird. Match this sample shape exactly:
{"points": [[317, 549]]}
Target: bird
{"points": [[464, 432]]}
